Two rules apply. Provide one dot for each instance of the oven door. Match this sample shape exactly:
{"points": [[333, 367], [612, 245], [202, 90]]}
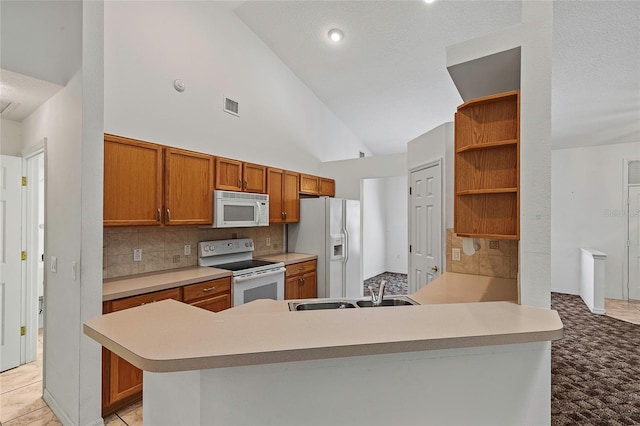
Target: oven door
{"points": [[266, 285]]}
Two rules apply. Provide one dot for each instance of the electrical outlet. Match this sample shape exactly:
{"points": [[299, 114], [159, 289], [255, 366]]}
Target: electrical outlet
{"points": [[54, 264], [494, 244], [137, 255], [455, 254], [187, 249], [268, 241], [176, 258]]}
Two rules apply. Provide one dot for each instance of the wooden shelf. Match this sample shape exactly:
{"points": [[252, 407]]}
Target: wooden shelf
{"points": [[487, 167], [489, 145], [488, 191]]}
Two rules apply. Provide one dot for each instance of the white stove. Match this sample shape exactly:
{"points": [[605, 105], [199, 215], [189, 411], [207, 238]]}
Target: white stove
{"points": [[251, 279]]}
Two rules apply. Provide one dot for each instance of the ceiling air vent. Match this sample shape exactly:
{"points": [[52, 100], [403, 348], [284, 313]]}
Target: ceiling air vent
{"points": [[4, 106], [231, 106]]}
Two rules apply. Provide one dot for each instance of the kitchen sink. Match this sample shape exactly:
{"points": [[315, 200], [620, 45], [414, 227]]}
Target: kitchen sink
{"points": [[312, 305], [320, 304], [389, 301]]}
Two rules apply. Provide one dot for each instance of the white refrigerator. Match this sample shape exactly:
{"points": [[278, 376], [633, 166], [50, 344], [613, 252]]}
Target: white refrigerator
{"points": [[330, 228]]}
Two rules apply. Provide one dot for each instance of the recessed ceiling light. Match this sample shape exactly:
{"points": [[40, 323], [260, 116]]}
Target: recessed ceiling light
{"points": [[335, 34], [429, 1]]}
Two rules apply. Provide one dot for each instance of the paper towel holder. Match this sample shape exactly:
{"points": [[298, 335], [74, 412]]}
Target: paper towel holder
{"points": [[470, 245]]}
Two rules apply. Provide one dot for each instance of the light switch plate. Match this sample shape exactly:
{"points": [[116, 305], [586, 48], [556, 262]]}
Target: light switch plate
{"points": [[54, 264], [187, 249]]}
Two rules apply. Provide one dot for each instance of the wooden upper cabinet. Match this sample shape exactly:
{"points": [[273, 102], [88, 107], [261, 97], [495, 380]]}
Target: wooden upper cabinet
{"points": [[132, 182], [234, 175], [487, 167], [188, 188], [327, 187], [284, 198], [309, 185], [315, 185], [255, 178], [228, 174]]}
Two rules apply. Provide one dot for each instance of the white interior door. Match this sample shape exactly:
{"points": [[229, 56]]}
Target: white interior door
{"points": [[634, 242], [425, 226], [10, 260]]}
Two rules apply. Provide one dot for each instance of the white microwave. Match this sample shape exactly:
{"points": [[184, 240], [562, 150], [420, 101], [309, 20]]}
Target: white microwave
{"points": [[240, 209]]}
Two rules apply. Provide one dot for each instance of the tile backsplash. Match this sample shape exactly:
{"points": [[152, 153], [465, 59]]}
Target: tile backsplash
{"points": [[163, 248], [495, 258]]}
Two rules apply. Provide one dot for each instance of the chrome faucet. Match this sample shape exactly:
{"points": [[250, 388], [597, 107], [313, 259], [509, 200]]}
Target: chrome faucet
{"points": [[377, 300]]}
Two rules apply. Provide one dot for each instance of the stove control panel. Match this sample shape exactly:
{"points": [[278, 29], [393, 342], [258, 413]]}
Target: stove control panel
{"points": [[222, 247]]}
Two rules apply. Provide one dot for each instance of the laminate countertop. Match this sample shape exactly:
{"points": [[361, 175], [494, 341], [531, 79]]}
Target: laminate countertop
{"points": [[288, 258], [172, 336], [118, 288]]}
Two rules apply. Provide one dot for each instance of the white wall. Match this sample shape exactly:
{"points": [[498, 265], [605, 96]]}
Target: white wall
{"points": [[349, 173], [282, 123], [588, 209], [10, 137], [71, 122], [397, 238], [373, 228]]}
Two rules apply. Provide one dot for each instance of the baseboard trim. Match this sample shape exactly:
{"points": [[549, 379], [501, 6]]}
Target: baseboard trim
{"points": [[55, 407], [61, 415]]}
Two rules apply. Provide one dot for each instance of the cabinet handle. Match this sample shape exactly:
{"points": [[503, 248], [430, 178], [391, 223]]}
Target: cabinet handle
{"points": [[245, 184], [145, 303], [285, 215], [159, 215], [208, 289], [168, 215], [282, 215], [239, 183], [300, 281]]}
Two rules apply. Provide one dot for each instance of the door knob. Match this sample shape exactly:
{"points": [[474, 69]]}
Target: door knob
{"points": [[435, 268]]}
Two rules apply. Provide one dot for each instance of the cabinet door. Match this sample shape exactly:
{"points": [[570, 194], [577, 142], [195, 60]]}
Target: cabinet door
{"points": [[291, 197], [214, 304], [132, 182], [188, 188], [327, 187], [228, 174], [292, 287], [275, 186], [308, 288], [309, 185], [255, 178]]}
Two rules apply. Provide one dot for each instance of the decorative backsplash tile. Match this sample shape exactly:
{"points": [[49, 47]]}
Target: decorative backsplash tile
{"points": [[495, 258], [163, 248]]}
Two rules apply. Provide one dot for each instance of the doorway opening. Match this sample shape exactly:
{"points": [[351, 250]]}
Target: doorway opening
{"points": [[384, 234]]}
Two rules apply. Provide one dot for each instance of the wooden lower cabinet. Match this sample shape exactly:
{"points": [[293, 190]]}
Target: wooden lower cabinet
{"points": [[300, 281], [212, 295], [121, 381]]}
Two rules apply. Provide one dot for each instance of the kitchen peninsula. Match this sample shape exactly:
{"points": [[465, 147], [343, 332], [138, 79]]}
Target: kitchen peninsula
{"points": [[259, 363]]}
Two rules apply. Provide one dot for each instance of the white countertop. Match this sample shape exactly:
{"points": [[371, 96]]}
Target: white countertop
{"points": [[173, 336]]}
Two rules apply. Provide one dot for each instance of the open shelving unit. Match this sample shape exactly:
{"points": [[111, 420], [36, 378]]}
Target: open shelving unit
{"points": [[487, 167]]}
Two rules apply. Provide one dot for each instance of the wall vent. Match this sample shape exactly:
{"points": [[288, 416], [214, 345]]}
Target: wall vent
{"points": [[231, 106]]}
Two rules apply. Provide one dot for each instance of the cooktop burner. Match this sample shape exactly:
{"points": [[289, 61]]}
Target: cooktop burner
{"points": [[243, 264]]}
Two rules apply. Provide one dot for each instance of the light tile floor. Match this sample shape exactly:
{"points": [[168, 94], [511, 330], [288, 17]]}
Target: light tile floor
{"points": [[21, 400], [623, 310]]}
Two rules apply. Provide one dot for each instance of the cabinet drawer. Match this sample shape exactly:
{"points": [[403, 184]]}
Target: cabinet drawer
{"points": [[130, 302], [206, 289], [214, 304], [301, 268]]}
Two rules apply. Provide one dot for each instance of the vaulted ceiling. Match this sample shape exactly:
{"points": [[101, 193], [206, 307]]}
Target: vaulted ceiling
{"points": [[387, 80]]}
